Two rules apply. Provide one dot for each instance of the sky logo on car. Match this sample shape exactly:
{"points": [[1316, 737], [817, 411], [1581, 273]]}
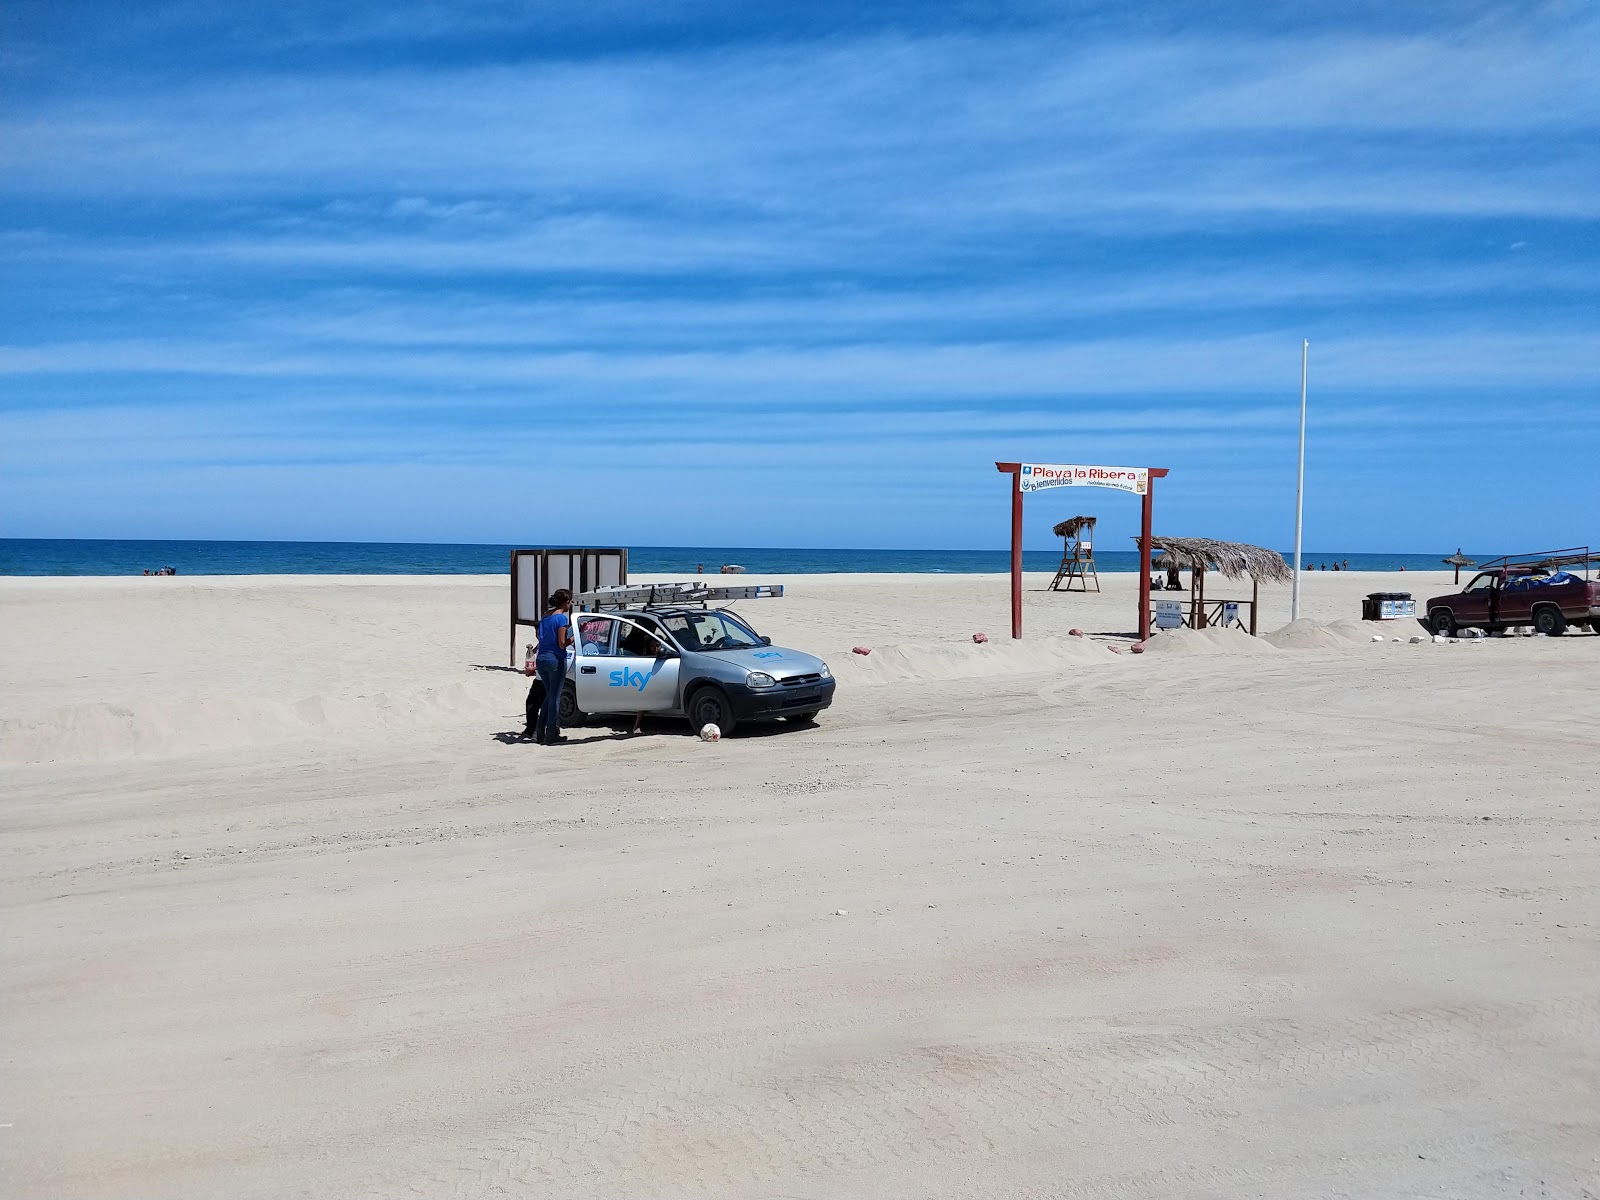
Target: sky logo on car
{"points": [[627, 678]]}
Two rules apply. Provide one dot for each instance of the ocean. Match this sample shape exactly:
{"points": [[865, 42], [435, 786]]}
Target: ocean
{"points": [[87, 556]]}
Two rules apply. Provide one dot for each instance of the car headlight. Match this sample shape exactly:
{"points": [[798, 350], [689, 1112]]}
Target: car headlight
{"points": [[826, 674], [760, 679]]}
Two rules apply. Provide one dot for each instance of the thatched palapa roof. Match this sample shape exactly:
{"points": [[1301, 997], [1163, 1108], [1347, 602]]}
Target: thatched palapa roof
{"points": [[1231, 559], [1070, 527], [1459, 559]]}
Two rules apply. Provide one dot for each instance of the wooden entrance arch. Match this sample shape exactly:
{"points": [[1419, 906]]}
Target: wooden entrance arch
{"points": [[1038, 477]]}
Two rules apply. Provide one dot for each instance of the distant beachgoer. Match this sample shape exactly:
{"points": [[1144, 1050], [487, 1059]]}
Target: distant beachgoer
{"points": [[1336, 564], [1347, 564], [1174, 583], [699, 568], [555, 635]]}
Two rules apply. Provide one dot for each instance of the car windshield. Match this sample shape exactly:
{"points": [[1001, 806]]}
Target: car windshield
{"points": [[713, 631]]}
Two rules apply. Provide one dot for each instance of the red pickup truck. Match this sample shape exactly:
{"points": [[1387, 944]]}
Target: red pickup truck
{"points": [[1506, 596]]}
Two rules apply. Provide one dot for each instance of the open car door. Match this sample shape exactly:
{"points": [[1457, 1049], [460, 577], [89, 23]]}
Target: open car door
{"points": [[623, 667]]}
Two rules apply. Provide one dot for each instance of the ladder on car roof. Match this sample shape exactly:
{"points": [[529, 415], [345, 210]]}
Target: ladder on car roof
{"points": [[624, 596]]}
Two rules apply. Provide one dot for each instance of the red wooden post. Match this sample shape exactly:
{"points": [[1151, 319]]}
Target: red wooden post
{"points": [[1015, 471], [1144, 560], [1016, 555]]}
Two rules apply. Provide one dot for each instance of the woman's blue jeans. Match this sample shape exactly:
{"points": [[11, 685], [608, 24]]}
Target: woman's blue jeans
{"points": [[552, 670]]}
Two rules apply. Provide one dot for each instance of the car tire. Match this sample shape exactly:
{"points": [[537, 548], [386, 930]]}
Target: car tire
{"points": [[571, 714], [709, 706], [1548, 620], [803, 718], [1595, 624], [1443, 622]]}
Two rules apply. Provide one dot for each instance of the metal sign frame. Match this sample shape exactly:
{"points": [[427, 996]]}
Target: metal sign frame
{"points": [[537, 573]]}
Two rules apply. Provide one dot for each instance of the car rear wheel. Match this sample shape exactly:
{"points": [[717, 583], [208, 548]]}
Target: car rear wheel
{"points": [[1442, 621], [1547, 619], [571, 714], [709, 706]]}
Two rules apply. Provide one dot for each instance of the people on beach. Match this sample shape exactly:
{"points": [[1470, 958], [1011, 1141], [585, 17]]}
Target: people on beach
{"points": [[555, 635]]}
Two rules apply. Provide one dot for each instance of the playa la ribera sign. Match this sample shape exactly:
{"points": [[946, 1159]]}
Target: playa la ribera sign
{"points": [[1038, 476]]}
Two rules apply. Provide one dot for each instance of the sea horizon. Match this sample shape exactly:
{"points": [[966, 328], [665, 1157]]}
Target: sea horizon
{"points": [[134, 556]]}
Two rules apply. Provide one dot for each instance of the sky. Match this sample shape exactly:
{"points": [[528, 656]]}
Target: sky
{"points": [[717, 273]]}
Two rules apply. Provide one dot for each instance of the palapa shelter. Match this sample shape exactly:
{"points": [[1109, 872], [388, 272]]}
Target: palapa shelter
{"points": [[1231, 560], [1077, 555], [1458, 560]]}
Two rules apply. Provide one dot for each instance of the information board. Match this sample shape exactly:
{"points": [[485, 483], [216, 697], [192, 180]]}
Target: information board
{"points": [[1169, 614]]}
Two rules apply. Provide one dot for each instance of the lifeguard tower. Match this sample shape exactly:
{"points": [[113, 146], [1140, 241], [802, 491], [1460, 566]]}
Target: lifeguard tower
{"points": [[1077, 556]]}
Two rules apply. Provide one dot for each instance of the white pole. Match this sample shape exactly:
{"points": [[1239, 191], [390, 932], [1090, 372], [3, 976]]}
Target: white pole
{"points": [[1300, 484]]}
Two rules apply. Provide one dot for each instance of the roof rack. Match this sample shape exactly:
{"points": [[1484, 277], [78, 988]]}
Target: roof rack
{"points": [[1571, 556], [624, 596]]}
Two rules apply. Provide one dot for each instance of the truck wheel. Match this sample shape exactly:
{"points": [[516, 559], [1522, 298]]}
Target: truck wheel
{"points": [[571, 714], [1595, 624], [1442, 621], [709, 706], [1547, 619]]}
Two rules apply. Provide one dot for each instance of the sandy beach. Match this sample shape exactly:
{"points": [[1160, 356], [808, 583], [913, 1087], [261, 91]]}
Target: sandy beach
{"points": [[289, 913]]}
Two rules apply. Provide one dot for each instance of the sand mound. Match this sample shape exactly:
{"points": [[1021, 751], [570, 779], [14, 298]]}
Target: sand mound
{"points": [[1206, 642], [1306, 634], [153, 729], [966, 660]]}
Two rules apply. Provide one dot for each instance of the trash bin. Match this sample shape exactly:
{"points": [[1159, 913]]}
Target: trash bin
{"points": [[1399, 604]]}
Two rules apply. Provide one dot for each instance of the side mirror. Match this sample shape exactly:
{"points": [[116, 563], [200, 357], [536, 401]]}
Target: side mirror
{"points": [[766, 641]]}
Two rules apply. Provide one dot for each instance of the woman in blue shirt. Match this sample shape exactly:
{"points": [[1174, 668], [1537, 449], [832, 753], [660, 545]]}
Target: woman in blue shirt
{"points": [[555, 635]]}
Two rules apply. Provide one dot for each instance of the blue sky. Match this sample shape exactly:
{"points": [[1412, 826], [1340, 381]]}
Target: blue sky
{"points": [[717, 273]]}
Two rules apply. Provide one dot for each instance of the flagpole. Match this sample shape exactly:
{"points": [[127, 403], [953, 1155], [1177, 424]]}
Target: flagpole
{"points": [[1300, 483]]}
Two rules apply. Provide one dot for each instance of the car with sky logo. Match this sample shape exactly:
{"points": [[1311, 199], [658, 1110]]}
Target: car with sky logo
{"points": [[703, 664]]}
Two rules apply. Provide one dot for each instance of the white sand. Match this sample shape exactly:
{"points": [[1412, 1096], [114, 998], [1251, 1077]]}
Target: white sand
{"points": [[1304, 915]]}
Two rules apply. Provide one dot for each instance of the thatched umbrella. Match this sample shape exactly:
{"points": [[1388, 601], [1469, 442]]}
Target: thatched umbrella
{"points": [[1458, 560], [1069, 528], [1233, 560]]}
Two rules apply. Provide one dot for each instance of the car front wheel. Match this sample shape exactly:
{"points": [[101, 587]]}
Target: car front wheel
{"points": [[710, 707]]}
